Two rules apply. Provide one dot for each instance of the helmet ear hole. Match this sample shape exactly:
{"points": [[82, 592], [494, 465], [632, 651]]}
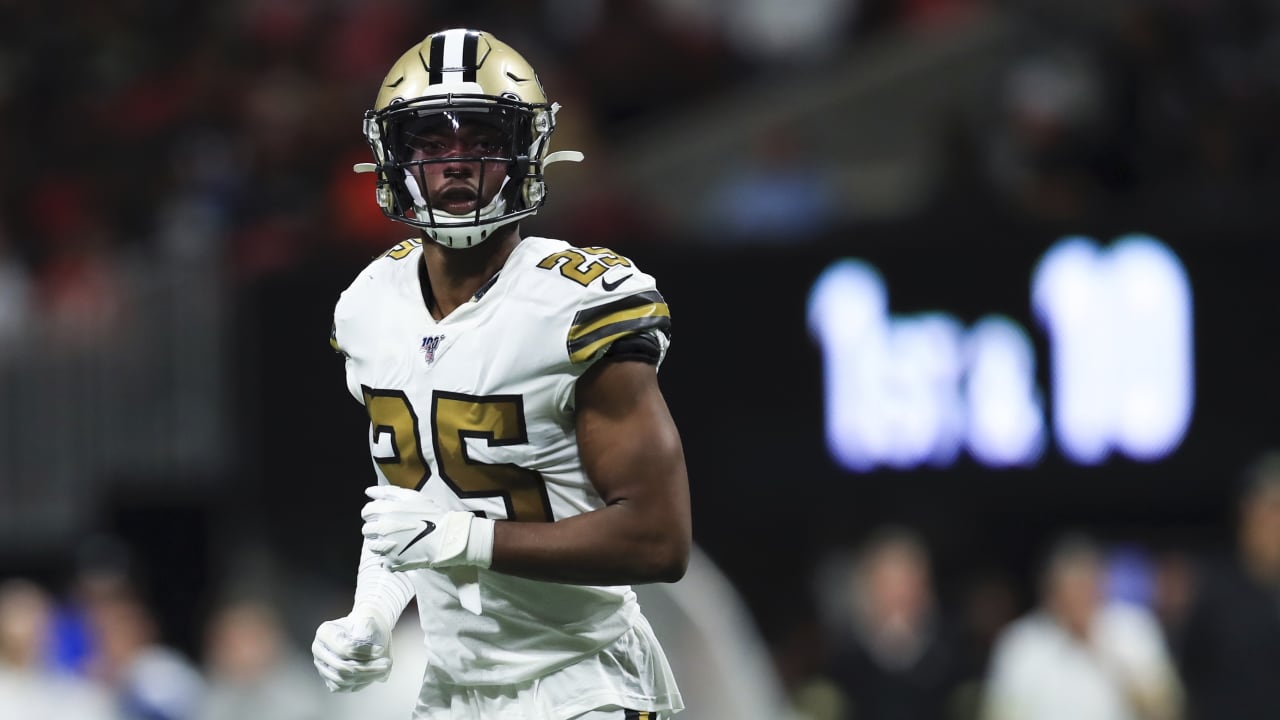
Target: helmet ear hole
{"points": [[534, 191]]}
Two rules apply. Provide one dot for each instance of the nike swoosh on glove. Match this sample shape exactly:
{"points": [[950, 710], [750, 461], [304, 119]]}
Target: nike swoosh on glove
{"points": [[411, 531]]}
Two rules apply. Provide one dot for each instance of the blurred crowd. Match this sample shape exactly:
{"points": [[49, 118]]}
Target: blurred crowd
{"points": [[1109, 631], [98, 652], [1110, 628], [1153, 109], [222, 134]]}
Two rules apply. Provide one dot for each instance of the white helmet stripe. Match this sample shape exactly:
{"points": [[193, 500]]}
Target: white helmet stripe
{"points": [[454, 41]]}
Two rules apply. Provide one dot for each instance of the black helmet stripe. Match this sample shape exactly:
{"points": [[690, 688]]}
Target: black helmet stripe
{"points": [[469, 59], [436, 60], [454, 56]]}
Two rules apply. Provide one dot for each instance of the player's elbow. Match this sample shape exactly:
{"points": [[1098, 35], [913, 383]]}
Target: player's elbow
{"points": [[676, 568], [667, 558]]}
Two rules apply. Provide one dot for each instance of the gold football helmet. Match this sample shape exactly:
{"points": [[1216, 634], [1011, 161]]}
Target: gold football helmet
{"points": [[454, 79]]}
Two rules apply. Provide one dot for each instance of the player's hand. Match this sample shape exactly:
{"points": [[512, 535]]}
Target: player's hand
{"points": [[352, 652], [411, 531]]}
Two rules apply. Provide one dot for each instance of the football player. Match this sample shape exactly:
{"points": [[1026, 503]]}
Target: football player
{"points": [[528, 470]]}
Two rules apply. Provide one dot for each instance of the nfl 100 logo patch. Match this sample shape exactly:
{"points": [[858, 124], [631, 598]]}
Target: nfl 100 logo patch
{"points": [[430, 345]]}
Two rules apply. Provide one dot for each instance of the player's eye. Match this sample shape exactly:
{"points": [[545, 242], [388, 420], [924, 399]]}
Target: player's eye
{"points": [[429, 146], [488, 146]]}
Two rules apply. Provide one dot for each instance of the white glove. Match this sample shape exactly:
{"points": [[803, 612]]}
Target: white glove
{"points": [[411, 531], [352, 652]]}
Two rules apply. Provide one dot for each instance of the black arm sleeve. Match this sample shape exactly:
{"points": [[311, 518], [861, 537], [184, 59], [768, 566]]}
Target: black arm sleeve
{"points": [[641, 346]]}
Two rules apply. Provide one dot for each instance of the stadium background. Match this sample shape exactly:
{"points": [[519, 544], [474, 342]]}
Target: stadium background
{"points": [[177, 218]]}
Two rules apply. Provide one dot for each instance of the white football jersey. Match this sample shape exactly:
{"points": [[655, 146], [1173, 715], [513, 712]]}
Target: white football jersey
{"points": [[477, 411]]}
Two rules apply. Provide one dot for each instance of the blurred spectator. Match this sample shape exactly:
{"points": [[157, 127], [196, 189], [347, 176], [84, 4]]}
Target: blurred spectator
{"points": [[82, 295], [990, 601], [784, 35], [778, 194], [253, 670], [30, 686], [1129, 575], [1173, 590], [79, 284], [1080, 655], [664, 63], [1045, 144], [798, 643], [1230, 645], [937, 14], [150, 680], [893, 657], [15, 297]]}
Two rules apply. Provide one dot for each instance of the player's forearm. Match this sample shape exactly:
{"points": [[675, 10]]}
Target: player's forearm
{"points": [[620, 544], [380, 591]]}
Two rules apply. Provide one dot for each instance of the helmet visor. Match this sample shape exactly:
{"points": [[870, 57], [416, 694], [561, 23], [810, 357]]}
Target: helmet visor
{"points": [[455, 161], [441, 136]]}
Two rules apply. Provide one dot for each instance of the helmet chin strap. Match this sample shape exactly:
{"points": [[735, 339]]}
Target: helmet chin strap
{"points": [[460, 231], [496, 206]]}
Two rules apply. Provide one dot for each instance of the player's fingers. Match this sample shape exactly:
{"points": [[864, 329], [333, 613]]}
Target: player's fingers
{"points": [[381, 546], [366, 674], [395, 563], [338, 684], [378, 492], [357, 687], [375, 509], [408, 501], [322, 654], [343, 662], [345, 672], [380, 527], [329, 674], [391, 492]]}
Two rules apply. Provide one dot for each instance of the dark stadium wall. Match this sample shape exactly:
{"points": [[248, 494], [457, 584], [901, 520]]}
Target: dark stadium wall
{"points": [[744, 381]]}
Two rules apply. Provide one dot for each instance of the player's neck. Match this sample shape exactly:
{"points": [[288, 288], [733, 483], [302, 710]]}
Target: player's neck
{"points": [[454, 275]]}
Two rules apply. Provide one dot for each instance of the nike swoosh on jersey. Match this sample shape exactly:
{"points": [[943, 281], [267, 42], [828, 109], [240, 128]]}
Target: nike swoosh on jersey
{"points": [[596, 327], [430, 528], [611, 286]]}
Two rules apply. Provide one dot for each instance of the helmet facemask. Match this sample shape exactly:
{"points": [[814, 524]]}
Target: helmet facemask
{"points": [[477, 139]]}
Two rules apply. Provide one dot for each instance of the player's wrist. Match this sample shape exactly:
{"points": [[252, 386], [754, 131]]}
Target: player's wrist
{"points": [[480, 543], [382, 615]]}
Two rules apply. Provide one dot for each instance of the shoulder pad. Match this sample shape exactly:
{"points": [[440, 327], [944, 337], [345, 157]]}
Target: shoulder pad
{"points": [[612, 299], [364, 290], [595, 327]]}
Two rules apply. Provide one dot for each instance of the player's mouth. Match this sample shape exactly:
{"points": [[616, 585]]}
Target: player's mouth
{"points": [[457, 200]]}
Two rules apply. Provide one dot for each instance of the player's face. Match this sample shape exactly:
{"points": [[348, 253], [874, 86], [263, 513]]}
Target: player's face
{"points": [[454, 177]]}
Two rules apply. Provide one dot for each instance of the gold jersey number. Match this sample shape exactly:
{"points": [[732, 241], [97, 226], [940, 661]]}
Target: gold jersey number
{"points": [[582, 265], [456, 417]]}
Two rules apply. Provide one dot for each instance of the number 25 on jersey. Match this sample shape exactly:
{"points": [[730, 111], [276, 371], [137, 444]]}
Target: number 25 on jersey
{"points": [[455, 418]]}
